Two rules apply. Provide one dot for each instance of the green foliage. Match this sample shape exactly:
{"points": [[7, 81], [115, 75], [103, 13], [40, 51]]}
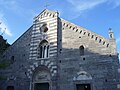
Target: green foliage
{"points": [[3, 78], [3, 44], [4, 64]]}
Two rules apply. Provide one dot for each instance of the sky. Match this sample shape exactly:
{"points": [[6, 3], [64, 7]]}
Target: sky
{"points": [[95, 15]]}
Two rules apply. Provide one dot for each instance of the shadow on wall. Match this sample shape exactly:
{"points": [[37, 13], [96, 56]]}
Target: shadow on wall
{"points": [[82, 53]]}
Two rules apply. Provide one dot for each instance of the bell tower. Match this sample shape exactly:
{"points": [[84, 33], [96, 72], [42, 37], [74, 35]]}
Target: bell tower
{"points": [[111, 34], [112, 42]]}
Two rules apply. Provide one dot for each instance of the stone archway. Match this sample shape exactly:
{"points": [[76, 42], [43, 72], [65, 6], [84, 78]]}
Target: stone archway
{"points": [[41, 79], [83, 81], [82, 75]]}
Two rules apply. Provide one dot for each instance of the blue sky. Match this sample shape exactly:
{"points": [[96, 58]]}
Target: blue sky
{"points": [[96, 15]]}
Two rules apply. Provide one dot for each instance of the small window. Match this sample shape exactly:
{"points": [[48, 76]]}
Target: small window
{"points": [[47, 14], [111, 35], [96, 38], [88, 34], [73, 28], [53, 15], [81, 50], [70, 27], [67, 25], [81, 31], [50, 14], [107, 45], [92, 36], [84, 33], [100, 41], [76, 30], [44, 13], [103, 42]]}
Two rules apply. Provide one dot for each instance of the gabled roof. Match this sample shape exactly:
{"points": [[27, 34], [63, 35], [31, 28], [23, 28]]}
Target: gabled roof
{"points": [[47, 11]]}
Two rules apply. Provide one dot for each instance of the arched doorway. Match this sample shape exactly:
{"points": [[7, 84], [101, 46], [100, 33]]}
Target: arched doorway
{"points": [[83, 81], [10, 87], [41, 79]]}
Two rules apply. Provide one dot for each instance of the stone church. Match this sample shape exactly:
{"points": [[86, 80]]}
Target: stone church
{"points": [[55, 54]]}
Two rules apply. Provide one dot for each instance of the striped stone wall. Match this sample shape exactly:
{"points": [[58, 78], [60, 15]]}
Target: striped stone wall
{"points": [[50, 18]]}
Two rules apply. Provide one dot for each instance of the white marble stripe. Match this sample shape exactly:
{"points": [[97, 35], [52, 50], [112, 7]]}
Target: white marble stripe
{"points": [[33, 54], [51, 25], [51, 28], [51, 38], [37, 31], [53, 54], [36, 64], [36, 35], [52, 33], [53, 48], [54, 71], [53, 67], [48, 19], [33, 51], [50, 64], [47, 62], [42, 62], [32, 67], [44, 18], [36, 40], [32, 48], [53, 41]]}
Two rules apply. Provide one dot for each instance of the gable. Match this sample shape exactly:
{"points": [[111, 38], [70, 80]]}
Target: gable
{"points": [[47, 13]]}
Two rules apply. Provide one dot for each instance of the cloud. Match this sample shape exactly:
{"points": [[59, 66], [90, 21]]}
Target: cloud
{"points": [[17, 7], [3, 26], [118, 40], [9, 4], [114, 3], [83, 5]]}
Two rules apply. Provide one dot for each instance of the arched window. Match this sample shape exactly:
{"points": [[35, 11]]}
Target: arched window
{"points": [[81, 50], [43, 50]]}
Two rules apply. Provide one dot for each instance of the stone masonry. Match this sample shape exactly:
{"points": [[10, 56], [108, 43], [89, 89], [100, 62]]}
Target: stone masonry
{"points": [[58, 55]]}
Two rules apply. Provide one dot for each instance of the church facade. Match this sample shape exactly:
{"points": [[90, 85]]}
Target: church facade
{"points": [[55, 54]]}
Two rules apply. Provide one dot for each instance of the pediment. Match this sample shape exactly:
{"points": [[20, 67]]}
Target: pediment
{"points": [[47, 13]]}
